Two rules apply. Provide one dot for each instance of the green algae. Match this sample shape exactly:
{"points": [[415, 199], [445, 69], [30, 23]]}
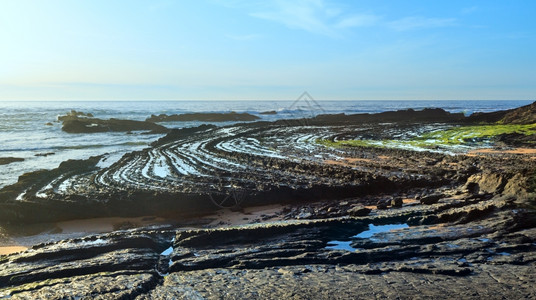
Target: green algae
{"points": [[467, 134], [455, 136]]}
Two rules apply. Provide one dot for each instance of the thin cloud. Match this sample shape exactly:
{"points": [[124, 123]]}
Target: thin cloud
{"points": [[314, 16], [411, 23], [332, 19], [304, 15]]}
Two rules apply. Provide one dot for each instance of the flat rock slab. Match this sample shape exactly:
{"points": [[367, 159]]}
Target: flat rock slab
{"points": [[329, 282]]}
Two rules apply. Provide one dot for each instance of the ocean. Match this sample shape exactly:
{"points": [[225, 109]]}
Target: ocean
{"points": [[30, 129]]}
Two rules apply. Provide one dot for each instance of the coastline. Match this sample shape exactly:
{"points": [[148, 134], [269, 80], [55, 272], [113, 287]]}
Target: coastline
{"points": [[269, 206]]}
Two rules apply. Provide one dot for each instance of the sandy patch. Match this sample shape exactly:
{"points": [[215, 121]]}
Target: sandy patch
{"points": [[409, 201], [350, 161], [99, 225], [526, 151], [249, 215], [11, 249], [437, 227]]}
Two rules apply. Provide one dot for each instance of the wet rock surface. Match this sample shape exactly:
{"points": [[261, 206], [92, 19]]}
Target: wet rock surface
{"points": [[359, 222], [461, 246], [196, 170]]}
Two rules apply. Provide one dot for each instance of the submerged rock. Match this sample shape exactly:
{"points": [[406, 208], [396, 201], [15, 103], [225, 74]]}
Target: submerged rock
{"points": [[9, 160]]}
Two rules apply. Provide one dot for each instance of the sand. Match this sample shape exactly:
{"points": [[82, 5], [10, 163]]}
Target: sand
{"points": [[11, 249], [249, 215], [73, 229], [83, 227], [351, 161], [525, 151], [100, 225]]}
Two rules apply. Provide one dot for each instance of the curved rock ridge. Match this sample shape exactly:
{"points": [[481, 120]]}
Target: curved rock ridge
{"points": [[357, 222], [195, 170], [199, 169]]}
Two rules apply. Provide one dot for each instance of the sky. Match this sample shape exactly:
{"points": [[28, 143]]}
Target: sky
{"points": [[267, 50]]}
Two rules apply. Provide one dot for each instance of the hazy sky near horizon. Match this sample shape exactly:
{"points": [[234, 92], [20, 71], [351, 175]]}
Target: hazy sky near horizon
{"points": [[272, 49]]}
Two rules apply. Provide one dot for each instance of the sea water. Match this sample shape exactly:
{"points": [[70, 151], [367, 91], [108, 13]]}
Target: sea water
{"points": [[24, 132]]}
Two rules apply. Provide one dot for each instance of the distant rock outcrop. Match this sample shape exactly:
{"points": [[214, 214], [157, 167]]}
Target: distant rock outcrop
{"points": [[408, 115], [523, 115], [75, 124], [75, 114], [8, 160], [207, 117]]}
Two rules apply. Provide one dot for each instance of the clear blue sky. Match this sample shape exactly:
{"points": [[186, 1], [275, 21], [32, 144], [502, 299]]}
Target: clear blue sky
{"points": [[215, 49]]}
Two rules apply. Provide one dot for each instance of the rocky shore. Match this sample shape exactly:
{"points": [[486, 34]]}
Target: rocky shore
{"points": [[355, 220]]}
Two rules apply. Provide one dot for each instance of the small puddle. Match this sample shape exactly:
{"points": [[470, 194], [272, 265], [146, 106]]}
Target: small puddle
{"points": [[340, 245], [162, 269], [367, 234], [167, 252], [373, 229]]}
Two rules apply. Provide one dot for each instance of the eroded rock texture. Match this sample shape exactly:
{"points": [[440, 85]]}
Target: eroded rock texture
{"points": [[361, 223], [461, 246], [191, 169]]}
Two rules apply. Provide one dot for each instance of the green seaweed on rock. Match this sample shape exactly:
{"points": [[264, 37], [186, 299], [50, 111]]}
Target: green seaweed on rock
{"points": [[455, 136]]}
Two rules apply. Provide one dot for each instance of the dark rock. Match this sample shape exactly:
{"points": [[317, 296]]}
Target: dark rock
{"points": [[487, 182], [397, 202], [176, 134], [431, 199], [44, 154], [517, 140], [271, 112], [522, 115], [472, 187], [92, 125], [383, 204], [9, 160], [402, 116], [359, 211]]}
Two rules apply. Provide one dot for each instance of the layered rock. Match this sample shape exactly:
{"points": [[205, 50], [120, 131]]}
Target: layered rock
{"points": [[92, 125], [482, 245]]}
